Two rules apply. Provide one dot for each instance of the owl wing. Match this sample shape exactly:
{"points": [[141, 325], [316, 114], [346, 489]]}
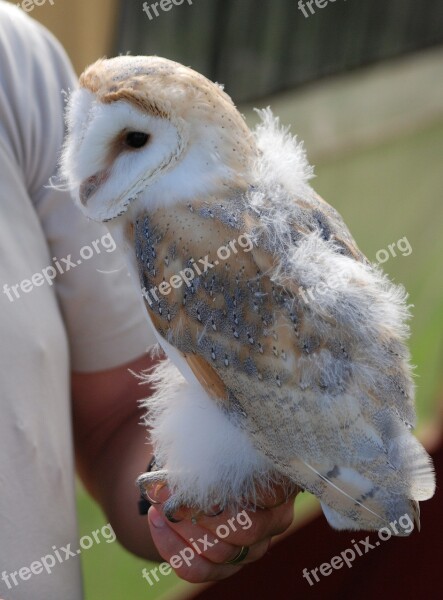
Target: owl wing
{"points": [[292, 332]]}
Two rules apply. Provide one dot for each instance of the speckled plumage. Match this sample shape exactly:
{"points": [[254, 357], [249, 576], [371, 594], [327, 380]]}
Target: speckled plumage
{"points": [[316, 392]]}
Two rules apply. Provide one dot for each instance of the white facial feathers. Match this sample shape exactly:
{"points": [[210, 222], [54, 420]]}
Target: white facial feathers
{"points": [[95, 154], [197, 139]]}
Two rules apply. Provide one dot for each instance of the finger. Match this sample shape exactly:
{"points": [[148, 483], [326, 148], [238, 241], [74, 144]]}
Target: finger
{"points": [[183, 558], [255, 552], [246, 527], [213, 547]]}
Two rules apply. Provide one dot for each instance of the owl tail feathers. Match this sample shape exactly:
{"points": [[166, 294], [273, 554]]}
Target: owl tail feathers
{"points": [[351, 501], [402, 526], [349, 505], [414, 466]]}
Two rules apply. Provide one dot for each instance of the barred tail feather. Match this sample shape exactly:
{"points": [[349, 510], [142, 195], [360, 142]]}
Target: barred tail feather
{"points": [[351, 501], [413, 462]]}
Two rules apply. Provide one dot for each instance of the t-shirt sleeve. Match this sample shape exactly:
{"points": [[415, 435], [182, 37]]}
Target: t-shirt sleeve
{"points": [[102, 308]]}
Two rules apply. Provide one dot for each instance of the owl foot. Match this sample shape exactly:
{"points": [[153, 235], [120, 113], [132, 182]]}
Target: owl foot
{"points": [[171, 508], [152, 482], [150, 485], [175, 511]]}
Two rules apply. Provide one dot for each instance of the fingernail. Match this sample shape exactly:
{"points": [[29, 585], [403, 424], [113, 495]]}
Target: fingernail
{"points": [[156, 518]]}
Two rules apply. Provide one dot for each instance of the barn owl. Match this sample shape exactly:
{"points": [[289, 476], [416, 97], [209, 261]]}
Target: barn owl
{"points": [[265, 383]]}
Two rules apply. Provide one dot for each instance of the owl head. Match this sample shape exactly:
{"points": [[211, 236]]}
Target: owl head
{"points": [[146, 130]]}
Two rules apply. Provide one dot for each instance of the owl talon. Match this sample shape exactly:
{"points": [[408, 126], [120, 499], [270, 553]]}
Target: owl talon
{"points": [[216, 511], [171, 507], [151, 483]]}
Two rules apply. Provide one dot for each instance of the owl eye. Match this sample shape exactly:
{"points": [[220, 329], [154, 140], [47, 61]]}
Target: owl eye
{"points": [[137, 139]]}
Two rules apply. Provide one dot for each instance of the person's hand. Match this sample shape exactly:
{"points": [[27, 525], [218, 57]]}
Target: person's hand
{"points": [[199, 548]]}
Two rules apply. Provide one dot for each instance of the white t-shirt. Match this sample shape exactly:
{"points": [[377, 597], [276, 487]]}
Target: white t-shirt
{"points": [[88, 318]]}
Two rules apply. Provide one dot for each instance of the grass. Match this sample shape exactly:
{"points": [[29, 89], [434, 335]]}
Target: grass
{"points": [[384, 193]]}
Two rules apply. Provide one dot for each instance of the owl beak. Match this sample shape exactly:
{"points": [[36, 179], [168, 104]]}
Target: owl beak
{"points": [[90, 185]]}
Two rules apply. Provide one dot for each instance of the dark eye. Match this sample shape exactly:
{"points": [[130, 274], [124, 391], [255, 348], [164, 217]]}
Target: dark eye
{"points": [[137, 139]]}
